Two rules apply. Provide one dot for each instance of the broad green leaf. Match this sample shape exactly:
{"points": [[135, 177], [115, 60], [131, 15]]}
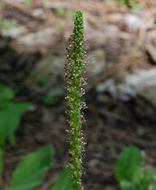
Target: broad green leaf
{"points": [[1, 161], [6, 92], [127, 164], [64, 182], [10, 118], [32, 169]]}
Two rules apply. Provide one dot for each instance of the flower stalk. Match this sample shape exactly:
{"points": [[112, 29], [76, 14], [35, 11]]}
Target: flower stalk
{"points": [[74, 70]]}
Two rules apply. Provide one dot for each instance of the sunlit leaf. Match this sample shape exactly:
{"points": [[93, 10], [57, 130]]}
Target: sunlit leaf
{"points": [[64, 182], [32, 169], [127, 164]]}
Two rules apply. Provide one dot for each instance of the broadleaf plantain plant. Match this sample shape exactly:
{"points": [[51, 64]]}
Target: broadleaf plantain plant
{"points": [[74, 70]]}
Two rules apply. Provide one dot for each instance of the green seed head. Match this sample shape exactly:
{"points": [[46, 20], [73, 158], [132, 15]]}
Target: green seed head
{"points": [[74, 81]]}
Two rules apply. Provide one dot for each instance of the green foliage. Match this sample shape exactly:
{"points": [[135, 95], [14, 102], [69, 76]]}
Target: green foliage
{"points": [[2, 5], [74, 70], [60, 11], [6, 94], [46, 98], [10, 117], [31, 171], [43, 81], [127, 163], [130, 3], [47, 1], [49, 100], [10, 114], [132, 173], [7, 25], [64, 182], [28, 2]]}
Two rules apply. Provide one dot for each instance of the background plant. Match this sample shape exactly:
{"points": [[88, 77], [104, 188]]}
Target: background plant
{"points": [[31, 171], [10, 114], [132, 172]]}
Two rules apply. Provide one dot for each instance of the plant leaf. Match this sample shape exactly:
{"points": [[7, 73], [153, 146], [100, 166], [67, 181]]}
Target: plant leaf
{"points": [[32, 169], [6, 92], [64, 182], [127, 164], [10, 117], [16, 111]]}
